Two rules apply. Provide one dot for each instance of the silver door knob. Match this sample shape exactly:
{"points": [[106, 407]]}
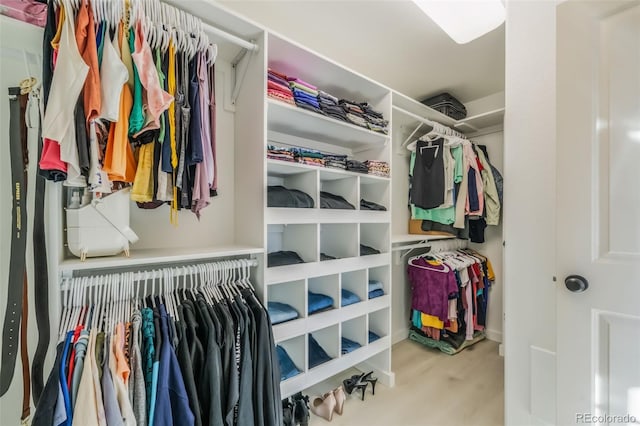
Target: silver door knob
{"points": [[576, 283]]}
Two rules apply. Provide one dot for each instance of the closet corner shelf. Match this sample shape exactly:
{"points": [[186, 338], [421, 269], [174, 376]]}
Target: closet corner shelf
{"points": [[301, 271], [276, 215], [287, 168], [291, 120], [333, 367], [481, 121], [298, 327], [143, 257]]}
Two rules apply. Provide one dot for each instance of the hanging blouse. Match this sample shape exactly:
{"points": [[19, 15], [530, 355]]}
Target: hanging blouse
{"points": [[66, 85]]}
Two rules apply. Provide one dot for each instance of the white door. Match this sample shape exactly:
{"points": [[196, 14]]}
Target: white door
{"points": [[598, 222]]}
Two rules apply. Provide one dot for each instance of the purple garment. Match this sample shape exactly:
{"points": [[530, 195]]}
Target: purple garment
{"points": [[430, 289], [304, 83]]}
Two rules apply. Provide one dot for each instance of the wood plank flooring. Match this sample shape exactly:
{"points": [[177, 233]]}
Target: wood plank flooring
{"points": [[431, 389]]}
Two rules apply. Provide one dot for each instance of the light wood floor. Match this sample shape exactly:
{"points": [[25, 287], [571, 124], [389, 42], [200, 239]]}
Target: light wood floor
{"points": [[431, 389]]}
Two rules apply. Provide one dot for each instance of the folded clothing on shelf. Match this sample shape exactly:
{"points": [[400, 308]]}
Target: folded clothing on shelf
{"points": [[279, 196], [348, 345], [366, 250], [377, 168], [310, 157], [282, 258], [287, 368], [280, 153], [376, 293], [317, 355], [370, 205], [348, 298], [278, 87], [318, 302], [332, 201], [375, 119], [375, 289], [373, 336], [335, 161], [324, 256], [357, 166], [281, 312]]}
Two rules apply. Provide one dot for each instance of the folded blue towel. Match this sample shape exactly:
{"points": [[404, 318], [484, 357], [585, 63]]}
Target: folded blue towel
{"points": [[287, 368], [349, 345], [281, 312], [376, 293], [375, 285], [319, 302], [373, 336], [349, 298]]}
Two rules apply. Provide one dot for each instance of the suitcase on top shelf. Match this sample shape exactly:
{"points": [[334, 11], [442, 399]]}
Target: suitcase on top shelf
{"points": [[447, 104]]}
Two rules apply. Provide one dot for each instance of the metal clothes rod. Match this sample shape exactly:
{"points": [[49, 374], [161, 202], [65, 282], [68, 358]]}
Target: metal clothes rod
{"points": [[252, 47]]}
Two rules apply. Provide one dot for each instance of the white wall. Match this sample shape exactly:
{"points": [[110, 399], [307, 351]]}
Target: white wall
{"points": [[529, 227]]}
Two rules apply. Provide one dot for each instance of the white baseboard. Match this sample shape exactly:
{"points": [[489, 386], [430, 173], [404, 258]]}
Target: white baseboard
{"points": [[494, 335]]}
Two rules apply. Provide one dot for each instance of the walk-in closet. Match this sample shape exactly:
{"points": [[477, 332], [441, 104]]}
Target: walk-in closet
{"points": [[245, 237]]}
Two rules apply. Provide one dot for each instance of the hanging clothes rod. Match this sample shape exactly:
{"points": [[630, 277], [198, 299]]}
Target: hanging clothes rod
{"points": [[252, 47]]}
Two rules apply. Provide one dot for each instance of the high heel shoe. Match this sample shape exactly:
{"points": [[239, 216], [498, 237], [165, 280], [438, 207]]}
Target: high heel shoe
{"points": [[350, 384], [373, 380], [324, 406], [340, 397]]}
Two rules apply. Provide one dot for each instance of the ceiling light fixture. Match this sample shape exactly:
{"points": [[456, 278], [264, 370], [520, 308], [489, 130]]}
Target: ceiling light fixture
{"points": [[464, 20]]}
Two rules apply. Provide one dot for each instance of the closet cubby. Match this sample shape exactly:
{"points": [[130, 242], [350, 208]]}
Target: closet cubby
{"points": [[327, 285], [356, 283], [329, 340], [296, 349], [292, 293], [356, 331], [379, 323], [381, 274], [375, 235], [376, 190], [299, 238], [340, 184], [280, 173], [339, 240]]}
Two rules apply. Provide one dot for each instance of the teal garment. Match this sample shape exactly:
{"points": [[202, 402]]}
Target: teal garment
{"points": [[445, 215], [148, 351], [102, 33], [162, 78], [136, 119], [154, 392], [417, 319]]}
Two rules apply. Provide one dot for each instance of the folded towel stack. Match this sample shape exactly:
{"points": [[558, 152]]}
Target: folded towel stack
{"points": [[357, 166], [335, 161], [280, 153], [278, 87], [377, 168]]}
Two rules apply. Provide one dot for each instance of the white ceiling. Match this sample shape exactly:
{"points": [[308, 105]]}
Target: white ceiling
{"points": [[392, 42]]}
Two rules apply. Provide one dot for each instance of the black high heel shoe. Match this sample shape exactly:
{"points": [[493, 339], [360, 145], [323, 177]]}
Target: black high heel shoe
{"points": [[300, 409], [355, 382], [370, 379]]}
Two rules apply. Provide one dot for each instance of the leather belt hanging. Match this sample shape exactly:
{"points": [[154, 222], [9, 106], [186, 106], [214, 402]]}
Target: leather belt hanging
{"points": [[13, 313], [40, 274]]}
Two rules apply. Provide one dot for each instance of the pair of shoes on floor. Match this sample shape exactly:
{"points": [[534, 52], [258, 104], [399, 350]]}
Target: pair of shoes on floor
{"points": [[295, 410], [329, 403], [360, 382]]}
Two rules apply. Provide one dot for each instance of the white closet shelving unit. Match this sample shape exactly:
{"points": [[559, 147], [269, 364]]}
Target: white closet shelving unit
{"points": [[337, 233]]}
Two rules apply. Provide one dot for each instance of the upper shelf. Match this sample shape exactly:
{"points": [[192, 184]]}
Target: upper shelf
{"points": [[291, 120], [403, 103], [481, 121]]}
